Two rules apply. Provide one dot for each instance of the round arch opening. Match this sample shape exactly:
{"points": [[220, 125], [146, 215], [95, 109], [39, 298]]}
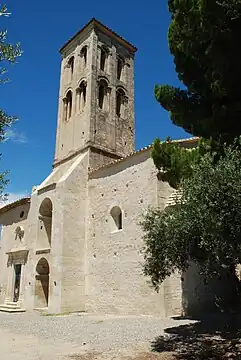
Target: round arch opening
{"points": [[41, 297]]}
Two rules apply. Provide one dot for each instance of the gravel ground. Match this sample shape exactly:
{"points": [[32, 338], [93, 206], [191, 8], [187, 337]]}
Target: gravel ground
{"points": [[31, 336]]}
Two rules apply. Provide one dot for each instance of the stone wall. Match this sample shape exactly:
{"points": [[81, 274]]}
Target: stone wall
{"points": [[92, 124], [72, 208], [115, 281], [9, 240]]}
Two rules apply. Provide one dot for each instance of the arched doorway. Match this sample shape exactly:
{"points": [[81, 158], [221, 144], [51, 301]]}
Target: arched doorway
{"points": [[42, 284]]}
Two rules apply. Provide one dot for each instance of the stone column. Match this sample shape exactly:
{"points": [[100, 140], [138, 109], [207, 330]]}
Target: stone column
{"points": [[69, 108], [80, 62], [124, 73], [72, 105], [77, 103], [22, 289], [9, 292], [98, 57], [107, 62], [65, 114], [107, 98], [81, 103], [124, 106]]}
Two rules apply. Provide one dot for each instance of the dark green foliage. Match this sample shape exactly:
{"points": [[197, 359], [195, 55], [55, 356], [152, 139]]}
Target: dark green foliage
{"points": [[176, 162], [204, 38], [204, 226]]}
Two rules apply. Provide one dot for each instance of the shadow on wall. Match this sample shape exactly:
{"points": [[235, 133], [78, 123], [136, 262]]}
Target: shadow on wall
{"points": [[216, 333], [42, 284], [15, 215], [217, 295], [215, 337]]}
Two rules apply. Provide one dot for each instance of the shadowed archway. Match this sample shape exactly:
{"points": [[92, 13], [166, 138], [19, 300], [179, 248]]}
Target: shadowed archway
{"points": [[42, 284], [45, 224]]}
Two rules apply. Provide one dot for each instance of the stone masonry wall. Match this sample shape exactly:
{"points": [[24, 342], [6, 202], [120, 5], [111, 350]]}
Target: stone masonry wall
{"points": [[10, 221], [92, 125], [72, 208], [115, 282]]}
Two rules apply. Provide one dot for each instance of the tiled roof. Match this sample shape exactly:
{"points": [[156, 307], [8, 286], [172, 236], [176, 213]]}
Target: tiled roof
{"points": [[185, 141], [174, 198], [14, 204], [27, 200], [104, 28]]}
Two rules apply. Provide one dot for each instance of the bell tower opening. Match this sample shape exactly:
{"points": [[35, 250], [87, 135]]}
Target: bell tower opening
{"points": [[96, 97]]}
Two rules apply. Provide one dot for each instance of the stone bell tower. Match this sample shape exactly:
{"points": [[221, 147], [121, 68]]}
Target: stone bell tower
{"points": [[96, 98]]}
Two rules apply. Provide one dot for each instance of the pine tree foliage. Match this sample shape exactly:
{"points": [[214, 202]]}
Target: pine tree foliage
{"points": [[176, 162], [204, 39]]}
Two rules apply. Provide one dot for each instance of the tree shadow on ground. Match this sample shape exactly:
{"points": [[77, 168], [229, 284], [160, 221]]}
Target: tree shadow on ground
{"points": [[214, 337]]}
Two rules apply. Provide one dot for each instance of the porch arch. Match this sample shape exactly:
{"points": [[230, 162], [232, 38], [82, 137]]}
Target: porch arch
{"points": [[41, 295]]}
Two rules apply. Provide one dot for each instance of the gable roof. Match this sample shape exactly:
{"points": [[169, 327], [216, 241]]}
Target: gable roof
{"points": [[96, 24], [187, 141], [14, 204]]}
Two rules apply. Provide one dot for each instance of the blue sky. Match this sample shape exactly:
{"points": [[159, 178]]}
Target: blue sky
{"points": [[42, 27]]}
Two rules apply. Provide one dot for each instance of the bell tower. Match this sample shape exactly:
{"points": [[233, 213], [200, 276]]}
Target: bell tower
{"points": [[96, 97]]}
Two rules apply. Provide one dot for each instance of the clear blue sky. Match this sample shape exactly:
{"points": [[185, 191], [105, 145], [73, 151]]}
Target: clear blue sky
{"points": [[42, 27]]}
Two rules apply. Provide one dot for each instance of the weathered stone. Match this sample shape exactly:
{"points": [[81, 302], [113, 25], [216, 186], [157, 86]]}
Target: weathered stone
{"points": [[82, 243]]}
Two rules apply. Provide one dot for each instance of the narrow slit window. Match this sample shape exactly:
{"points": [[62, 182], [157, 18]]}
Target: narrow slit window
{"points": [[102, 95], [83, 54], [71, 67], [119, 68], [103, 59]]}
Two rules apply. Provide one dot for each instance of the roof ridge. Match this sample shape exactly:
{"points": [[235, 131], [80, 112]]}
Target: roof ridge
{"points": [[14, 204], [92, 170], [94, 21]]}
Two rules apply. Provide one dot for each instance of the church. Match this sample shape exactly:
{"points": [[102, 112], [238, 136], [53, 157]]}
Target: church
{"points": [[76, 244]]}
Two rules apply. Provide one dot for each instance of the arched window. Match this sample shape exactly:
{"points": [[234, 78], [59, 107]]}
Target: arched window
{"points": [[103, 59], [120, 103], [67, 106], [81, 95], [103, 95], [83, 54], [71, 67], [45, 224], [116, 215], [120, 66]]}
